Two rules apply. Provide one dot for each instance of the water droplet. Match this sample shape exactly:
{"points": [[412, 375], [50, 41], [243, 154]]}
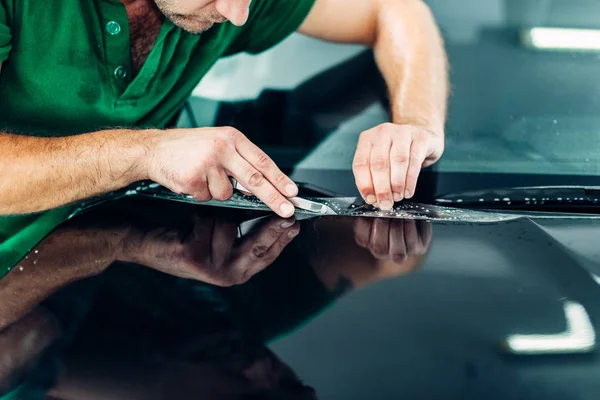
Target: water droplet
{"points": [[21, 269], [37, 251]]}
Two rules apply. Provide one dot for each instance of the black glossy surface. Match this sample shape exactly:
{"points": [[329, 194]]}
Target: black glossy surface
{"points": [[135, 300]]}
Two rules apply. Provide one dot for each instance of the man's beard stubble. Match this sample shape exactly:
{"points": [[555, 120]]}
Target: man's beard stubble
{"points": [[195, 24]]}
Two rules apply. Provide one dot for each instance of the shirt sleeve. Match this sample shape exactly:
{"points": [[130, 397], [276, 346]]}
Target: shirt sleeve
{"points": [[5, 36], [269, 23]]}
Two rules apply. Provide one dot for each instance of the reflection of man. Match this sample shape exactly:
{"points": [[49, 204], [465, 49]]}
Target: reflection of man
{"points": [[136, 326], [76, 67]]}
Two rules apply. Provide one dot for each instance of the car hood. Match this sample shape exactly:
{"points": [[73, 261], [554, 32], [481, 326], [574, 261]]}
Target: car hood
{"points": [[505, 308], [445, 330]]}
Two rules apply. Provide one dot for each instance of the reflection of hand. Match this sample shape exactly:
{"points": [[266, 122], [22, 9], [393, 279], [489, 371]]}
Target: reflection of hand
{"points": [[364, 251], [393, 239], [389, 159], [209, 252]]}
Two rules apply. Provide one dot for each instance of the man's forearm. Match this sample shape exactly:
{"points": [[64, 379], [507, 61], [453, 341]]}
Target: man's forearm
{"points": [[410, 53], [37, 174]]}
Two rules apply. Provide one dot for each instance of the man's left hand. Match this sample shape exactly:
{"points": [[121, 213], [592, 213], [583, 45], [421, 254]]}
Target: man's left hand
{"points": [[389, 159]]}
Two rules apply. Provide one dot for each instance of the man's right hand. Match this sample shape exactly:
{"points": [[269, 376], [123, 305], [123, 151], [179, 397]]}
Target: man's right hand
{"points": [[198, 162]]}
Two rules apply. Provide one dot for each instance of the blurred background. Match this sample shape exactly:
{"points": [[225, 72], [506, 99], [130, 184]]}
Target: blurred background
{"points": [[520, 103]]}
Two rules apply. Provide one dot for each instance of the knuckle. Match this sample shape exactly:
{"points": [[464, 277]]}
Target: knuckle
{"points": [[378, 250], [223, 194], [365, 135], [360, 162], [398, 187], [399, 157], [280, 178], [380, 163], [383, 195], [231, 133], [385, 129], [255, 179], [193, 184], [274, 232], [262, 160], [258, 251], [221, 145], [203, 197], [273, 198]]}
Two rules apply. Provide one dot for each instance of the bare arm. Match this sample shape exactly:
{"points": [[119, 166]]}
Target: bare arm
{"points": [[407, 45], [410, 54], [37, 174]]}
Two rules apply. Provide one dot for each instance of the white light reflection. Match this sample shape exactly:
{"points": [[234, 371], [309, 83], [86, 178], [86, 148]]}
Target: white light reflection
{"points": [[562, 39], [579, 337]]}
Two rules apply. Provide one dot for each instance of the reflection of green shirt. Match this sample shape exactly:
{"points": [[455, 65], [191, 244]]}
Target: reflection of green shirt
{"points": [[67, 65], [19, 234]]}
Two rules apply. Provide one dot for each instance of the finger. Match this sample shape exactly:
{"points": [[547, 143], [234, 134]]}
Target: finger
{"points": [[277, 248], [361, 167], [411, 238], [223, 238], [418, 152], [255, 248], [362, 231], [219, 184], [380, 238], [199, 190], [254, 181], [399, 155], [266, 166], [425, 230], [380, 172], [397, 243], [261, 241]]}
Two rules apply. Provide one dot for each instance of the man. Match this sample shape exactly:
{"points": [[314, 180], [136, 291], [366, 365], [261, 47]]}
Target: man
{"points": [[71, 71]]}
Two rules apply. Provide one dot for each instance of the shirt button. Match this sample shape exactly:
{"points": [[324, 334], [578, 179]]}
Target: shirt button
{"points": [[113, 28], [120, 72]]}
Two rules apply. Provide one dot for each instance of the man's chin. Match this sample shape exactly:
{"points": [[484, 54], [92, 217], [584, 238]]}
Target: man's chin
{"points": [[192, 25]]}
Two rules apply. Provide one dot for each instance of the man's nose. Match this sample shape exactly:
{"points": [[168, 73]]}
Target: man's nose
{"points": [[236, 11]]}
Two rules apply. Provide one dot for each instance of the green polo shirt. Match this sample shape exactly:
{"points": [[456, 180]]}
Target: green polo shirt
{"points": [[67, 63], [67, 70]]}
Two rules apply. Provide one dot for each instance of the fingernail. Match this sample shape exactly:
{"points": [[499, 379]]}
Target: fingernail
{"points": [[371, 199], [286, 224], [287, 209], [398, 197], [293, 234], [407, 194], [291, 190], [386, 205]]}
